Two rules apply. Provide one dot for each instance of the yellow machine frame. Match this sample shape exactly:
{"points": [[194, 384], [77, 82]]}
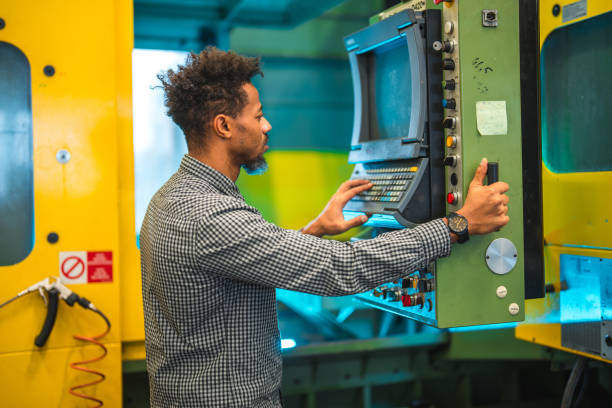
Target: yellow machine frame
{"points": [[85, 108], [576, 212]]}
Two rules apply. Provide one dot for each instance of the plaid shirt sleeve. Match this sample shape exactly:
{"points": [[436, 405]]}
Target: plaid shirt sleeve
{"points": [[236, 242]]}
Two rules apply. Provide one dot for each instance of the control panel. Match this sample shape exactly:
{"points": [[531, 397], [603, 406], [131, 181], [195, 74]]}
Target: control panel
{"points": [[451, 67], [412, 296], [482, 281]]}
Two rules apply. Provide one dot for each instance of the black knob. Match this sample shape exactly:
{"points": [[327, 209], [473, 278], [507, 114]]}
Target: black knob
{"points": [[449, 84], [608, 340], [449, 123], [448, 64], [450, 161], [449, 103]]}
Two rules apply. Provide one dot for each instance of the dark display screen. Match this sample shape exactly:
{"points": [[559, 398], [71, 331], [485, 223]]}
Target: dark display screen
{"points": [[389, 90]]}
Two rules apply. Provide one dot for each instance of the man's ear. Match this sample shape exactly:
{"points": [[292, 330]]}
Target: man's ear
{"points": [[222, 126]]}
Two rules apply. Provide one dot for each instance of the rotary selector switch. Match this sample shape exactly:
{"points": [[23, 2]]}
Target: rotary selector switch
{"points": [[450, 161], [449, 122]]}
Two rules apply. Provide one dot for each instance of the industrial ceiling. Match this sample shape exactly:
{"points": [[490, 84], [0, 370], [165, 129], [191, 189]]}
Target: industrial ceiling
{"points": [[189, 24]]}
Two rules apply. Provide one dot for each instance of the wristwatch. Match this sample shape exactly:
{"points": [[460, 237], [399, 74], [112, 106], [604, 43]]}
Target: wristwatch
{"points": [[458, 225]]}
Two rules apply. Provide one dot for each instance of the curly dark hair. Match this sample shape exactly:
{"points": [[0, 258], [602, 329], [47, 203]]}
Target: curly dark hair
{"points": [[210, 83]]}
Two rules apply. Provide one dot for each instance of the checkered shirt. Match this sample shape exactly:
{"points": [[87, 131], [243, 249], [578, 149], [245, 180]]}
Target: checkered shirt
{"points": [[210, 266]]}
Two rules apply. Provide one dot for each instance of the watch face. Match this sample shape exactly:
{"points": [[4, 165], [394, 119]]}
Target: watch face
{"points": [[457, 224]]}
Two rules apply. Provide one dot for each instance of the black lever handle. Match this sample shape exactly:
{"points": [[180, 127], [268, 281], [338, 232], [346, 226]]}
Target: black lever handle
{"points": [[53, 299], [492, 172]]}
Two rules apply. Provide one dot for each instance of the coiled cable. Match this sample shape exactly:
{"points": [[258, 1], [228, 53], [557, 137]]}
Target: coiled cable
{"points": [[79, 365]]}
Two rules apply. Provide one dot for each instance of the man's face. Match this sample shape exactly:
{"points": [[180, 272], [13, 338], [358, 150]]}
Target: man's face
{"points": [[251, 138]]}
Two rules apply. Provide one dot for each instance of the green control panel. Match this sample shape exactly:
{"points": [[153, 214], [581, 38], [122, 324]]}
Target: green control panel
{"points": [[482, 281]]}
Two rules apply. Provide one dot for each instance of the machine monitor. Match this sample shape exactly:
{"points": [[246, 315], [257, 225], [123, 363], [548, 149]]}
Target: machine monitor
{"points": [[397, 133]]}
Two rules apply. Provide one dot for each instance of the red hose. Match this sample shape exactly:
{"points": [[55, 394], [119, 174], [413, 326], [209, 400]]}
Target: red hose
{"points": [[79, 366]]}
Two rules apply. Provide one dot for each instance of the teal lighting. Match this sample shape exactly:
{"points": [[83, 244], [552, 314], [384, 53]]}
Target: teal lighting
{"points": [[287, 343]]}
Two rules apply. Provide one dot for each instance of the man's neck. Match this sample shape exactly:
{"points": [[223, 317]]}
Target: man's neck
{"points": [[221, 164]]}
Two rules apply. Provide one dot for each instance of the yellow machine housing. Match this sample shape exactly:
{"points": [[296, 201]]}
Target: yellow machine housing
{"points": [[576, 208], [85, 108]]}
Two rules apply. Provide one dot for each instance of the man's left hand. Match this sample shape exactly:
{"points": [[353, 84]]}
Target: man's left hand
{"points": [[331, 221]]}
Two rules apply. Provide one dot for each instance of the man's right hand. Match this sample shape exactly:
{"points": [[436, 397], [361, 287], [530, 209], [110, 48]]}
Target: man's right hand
{"points": [[485, 207]]}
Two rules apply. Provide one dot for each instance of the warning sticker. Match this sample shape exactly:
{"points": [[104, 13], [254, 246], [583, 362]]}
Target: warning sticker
{"points": [[78, 267], [100, 266]]}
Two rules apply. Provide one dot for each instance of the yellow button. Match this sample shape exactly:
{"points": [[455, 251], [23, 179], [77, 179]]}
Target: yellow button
{"points": [[413, 169]]}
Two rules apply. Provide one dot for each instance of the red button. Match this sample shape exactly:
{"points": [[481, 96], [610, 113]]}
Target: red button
{"points": [[405, 300], [451, 198]]}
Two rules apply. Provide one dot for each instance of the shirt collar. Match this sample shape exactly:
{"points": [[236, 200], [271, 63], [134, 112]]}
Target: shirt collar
{"points": [[211, 176]]}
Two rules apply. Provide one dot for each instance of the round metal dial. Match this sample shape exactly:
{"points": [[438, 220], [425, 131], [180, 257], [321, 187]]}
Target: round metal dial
{"points": [[501, 256]]}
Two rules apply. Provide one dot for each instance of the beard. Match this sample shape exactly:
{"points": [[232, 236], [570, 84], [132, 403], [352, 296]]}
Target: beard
{"points": [[257, 166]]}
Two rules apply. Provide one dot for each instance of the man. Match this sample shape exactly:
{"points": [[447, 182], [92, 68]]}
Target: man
{"points": [[211, 263]]}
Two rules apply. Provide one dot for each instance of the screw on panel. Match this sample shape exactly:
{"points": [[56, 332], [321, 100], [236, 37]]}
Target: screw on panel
{"points": [[2, 23], [49, 70], [52, 238], [556, 10], [63, 156]]}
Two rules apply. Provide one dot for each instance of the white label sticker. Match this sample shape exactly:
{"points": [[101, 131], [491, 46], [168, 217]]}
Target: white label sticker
{"points": [[491, 118], [574, 10], [73, 267], [501, 292]]}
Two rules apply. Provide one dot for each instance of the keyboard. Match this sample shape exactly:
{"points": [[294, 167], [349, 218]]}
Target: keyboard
{"points": [[399, 188], [388, 183]]}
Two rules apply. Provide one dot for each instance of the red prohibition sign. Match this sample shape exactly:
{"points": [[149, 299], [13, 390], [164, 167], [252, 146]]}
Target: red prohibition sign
{"points": [[75, 270]]}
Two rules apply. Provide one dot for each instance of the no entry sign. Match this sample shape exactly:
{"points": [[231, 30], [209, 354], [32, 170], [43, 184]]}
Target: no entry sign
{"points": [[86, 266]]}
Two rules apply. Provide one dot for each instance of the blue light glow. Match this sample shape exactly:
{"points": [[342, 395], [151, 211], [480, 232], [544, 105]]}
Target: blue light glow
{"points": [[589, 288], [287, 343], [484, 327], [399, 27], [382, 43]]}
